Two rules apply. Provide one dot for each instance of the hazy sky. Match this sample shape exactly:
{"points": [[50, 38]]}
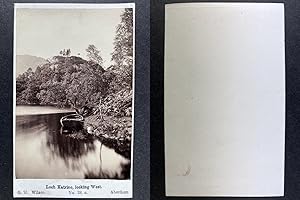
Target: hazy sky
{"points": [[44, 32]]}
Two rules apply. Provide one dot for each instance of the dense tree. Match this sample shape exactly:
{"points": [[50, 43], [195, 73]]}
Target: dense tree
{"points": [[123, 42], [68, 52], [65, 78], [65, 52], [122, 55], [94, 54]]}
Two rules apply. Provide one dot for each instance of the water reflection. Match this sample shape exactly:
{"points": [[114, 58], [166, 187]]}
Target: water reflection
{"points": [[43, 152]]}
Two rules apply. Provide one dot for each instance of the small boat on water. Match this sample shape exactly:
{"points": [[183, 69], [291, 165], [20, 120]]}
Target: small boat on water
{"points": [[72, 122]]}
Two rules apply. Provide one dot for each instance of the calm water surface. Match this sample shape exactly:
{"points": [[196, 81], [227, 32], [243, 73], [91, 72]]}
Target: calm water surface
{"points": [[41, 151]]}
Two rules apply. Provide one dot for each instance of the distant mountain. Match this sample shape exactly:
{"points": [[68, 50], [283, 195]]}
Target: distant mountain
{"points": [[23, 62]]}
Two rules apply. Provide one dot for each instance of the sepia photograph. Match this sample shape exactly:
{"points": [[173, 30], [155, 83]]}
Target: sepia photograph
{"points": [[73, 92]]}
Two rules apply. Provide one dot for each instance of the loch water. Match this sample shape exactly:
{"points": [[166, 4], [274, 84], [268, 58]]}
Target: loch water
{"points": [[43, 152]]}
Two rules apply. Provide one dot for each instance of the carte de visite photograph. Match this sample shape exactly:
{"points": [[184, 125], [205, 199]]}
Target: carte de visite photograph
{"points": [[73, 100]]}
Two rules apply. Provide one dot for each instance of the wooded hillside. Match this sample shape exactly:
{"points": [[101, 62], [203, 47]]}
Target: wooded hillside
{"points": [[67, 80]]}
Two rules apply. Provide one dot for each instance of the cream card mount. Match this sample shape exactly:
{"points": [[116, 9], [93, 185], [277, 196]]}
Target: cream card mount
{"points": [[224, 99]]}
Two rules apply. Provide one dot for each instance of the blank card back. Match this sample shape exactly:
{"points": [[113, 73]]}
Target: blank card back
{"points": [[224, 99]]}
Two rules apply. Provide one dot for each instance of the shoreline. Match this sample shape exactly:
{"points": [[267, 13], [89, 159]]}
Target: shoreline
{"points": [[113, 132]]}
